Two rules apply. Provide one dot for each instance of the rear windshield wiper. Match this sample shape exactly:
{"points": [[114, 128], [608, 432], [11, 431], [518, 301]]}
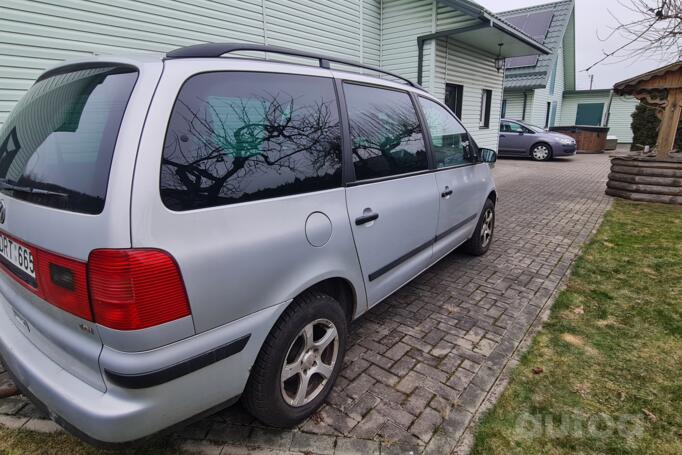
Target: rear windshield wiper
{"points": [[7, 185]]}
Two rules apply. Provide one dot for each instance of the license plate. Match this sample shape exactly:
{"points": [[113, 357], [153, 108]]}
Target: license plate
{"points": [[17, 255]]}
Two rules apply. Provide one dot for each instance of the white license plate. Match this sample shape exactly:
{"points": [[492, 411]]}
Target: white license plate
{"points": [[18, 255]]}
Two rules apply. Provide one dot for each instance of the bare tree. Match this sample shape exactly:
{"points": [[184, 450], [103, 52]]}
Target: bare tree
{"points": [[655, 31]]}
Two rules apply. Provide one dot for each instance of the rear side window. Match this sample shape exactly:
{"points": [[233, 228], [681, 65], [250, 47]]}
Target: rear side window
{"points": [[449, 139], [386, 136], [57, 145], [237, 137]]}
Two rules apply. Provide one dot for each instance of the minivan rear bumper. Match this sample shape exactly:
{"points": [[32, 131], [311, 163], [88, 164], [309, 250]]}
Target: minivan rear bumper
{"points": [[121, 414]]}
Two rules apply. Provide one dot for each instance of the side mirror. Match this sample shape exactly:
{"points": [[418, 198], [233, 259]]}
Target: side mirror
{"points": [[487, 155]]}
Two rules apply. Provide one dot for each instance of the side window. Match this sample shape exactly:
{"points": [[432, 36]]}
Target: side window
{"points": [[486, 99], [448, 137], [515, 128], [385, 133], [236, 137], [453, 98]]}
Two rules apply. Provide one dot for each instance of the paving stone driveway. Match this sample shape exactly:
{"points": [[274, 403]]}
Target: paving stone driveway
{"points": [[423, 364]]}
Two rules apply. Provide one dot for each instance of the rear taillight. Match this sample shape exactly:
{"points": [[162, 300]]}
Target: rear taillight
{"points": [[62, 282], [135, 288]]}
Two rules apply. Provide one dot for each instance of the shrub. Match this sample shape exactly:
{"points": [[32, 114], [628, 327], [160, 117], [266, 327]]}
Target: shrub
{"points": [[645, 126]]}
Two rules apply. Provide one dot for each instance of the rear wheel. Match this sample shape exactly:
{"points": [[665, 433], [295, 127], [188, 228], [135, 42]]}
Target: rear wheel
{"points": [[299, 361], [479, 243], [541, 152]]}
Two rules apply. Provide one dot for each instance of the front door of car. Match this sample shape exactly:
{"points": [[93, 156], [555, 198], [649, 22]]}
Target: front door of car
{"points": [[392, 202], [460, 181], [517, 138]]}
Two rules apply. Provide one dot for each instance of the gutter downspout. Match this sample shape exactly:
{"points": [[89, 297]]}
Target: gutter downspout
{"points": [[607, 112], [525, 103]]}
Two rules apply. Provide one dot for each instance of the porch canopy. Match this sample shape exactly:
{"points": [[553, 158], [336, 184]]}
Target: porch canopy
{"points": [[484, 31], [662, 90]]}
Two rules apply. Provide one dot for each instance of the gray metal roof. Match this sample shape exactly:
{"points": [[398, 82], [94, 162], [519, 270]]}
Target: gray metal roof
{"points": [[537, 76]]}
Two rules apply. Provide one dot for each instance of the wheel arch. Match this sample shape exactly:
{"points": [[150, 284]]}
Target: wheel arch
{"points": [[340, 289], [493, 196]]}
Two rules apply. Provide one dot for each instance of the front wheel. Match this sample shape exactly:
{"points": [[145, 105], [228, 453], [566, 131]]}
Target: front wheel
{"points": [[479, 243], [541, 152], [299, 361]]}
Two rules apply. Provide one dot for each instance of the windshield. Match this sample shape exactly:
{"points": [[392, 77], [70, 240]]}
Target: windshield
{"points": [[534, 128], [57, 145]]}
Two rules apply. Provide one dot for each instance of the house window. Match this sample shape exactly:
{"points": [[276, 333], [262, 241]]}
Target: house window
{"points": [[504, 108], [484, 119], [589, 114], [453, 98], [549, 108]]}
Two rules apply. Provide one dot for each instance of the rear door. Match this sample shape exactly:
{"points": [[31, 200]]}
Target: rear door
{"points": [[63, 194], [392, 202], [458, 178]]}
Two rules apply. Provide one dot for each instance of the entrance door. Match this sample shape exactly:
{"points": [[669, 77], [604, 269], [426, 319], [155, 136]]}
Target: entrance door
{"points": [[393, 203], [459, 186]]}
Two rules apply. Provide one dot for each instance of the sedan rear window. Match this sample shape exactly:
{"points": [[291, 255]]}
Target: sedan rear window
{"points": [[57, 145]]}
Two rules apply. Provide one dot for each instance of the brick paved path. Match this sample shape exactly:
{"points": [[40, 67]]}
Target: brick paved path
{"points": [[423, 364]]}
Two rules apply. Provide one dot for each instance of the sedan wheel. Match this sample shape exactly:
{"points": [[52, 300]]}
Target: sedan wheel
{"points": [[541, 152]]}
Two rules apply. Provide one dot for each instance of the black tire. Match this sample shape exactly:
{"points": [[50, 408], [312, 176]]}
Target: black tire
{"points": [[477, 245], [541, 152], [263, 396]]}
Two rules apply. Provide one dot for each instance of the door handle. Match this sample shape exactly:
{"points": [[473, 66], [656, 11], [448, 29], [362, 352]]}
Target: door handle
{"points": [[446, 193], [364, 219]]}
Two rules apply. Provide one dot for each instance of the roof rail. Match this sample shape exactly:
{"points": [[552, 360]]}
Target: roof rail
{"points": [[212, 50]]}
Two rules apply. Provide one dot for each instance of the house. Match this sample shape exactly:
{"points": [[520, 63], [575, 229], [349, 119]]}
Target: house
{"points": [[534, 85], [600, 108], [541, 89], [455, 48]]}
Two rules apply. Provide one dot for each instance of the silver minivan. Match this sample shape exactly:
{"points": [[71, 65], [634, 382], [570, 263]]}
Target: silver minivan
{"points": [[178, 233]]}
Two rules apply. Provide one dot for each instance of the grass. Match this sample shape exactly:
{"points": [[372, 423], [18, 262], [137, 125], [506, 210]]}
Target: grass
{"points": [[608, 362], [24, 442]]}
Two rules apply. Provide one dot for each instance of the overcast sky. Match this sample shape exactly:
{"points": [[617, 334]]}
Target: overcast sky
{"points": [[592, 17]]}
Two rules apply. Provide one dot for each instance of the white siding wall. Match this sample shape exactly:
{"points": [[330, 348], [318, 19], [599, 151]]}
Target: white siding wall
{"points": [[467, 67], [36, 35], [403, 21], [514, 105], [538, 106], [621, 111], [558, 95], [445, 61], [620, 120]]}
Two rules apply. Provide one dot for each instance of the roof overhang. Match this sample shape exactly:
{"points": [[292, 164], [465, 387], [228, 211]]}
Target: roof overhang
{"points": [[653, 80], [489, 33]]}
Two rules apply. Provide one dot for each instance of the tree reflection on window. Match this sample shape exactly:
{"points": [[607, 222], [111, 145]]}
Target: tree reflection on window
{"points": [[236, 137], [386, 136]]}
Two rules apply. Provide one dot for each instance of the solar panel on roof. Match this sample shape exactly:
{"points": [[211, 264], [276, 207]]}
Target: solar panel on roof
{"points": [[536, 25], [517, 21], [520, 62]]}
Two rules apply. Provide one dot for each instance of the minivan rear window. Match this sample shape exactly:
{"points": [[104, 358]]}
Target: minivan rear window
{"points": [[237, 137], [57, 145]]}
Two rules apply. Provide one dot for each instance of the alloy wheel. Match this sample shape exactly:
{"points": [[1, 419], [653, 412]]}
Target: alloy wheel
{"points": [[487, 227], [309, 362]]}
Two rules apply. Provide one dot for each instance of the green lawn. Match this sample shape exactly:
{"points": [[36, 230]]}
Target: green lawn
{"points": [[610, 354], [23, 442]]}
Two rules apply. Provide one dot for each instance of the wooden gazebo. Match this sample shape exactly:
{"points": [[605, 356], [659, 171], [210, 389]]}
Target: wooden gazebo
{"points": [[659, 178], [662, 90]]}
